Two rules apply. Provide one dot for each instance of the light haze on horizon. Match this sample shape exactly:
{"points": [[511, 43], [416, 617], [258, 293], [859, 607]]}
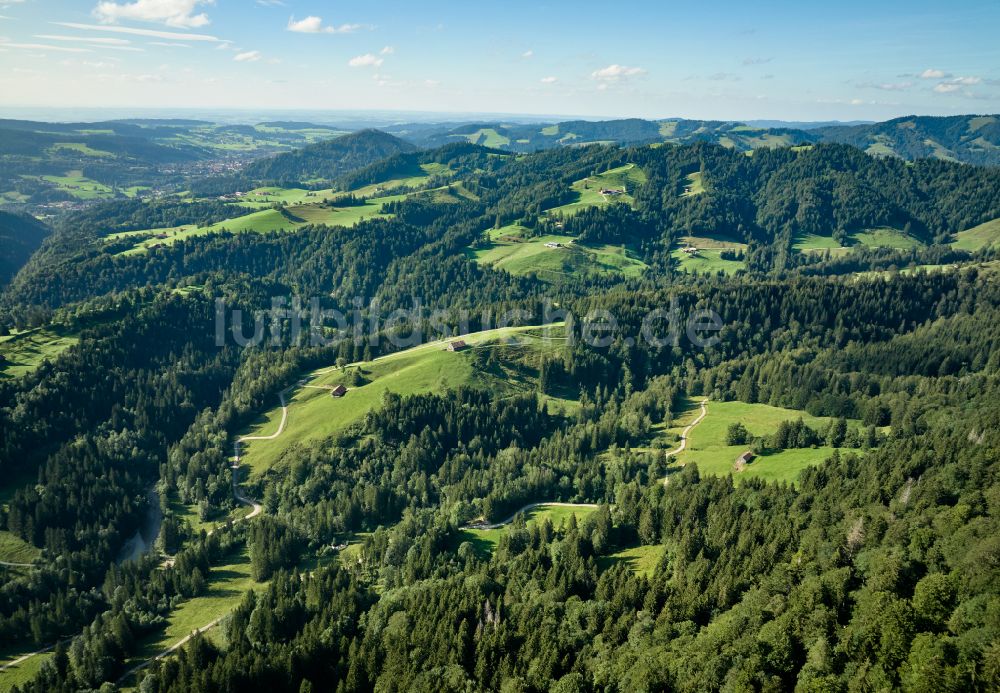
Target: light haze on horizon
{"points": [[732, 61]]}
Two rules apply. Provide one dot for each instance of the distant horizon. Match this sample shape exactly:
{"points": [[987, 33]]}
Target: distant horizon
{"points": [[855, 61], [334, 116]]}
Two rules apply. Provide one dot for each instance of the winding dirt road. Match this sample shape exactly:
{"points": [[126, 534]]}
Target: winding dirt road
{"points": [[170, 650], [8, 564], [256, 508], [684, 436]]}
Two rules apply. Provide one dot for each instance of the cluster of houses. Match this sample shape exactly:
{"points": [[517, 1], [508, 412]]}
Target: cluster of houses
{"points": [[690, 250]]}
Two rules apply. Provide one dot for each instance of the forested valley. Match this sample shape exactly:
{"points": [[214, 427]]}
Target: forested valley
{"points": [[858, 549]]}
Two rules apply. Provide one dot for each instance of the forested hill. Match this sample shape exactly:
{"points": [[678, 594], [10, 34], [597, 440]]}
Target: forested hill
{"points": [[856, 550], [973, 139], [19, 237], [327, 160]]}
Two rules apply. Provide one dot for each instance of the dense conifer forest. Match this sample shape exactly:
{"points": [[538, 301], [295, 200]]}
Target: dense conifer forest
{"points": [[376, 548]]}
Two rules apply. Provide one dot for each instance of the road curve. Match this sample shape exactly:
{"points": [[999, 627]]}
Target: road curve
{"points": [[256, 508], [526, 508], [684, 436]]}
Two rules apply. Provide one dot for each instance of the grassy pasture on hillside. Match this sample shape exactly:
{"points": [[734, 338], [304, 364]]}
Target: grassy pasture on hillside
{"points": [[314, 415], [268, 220], [23, 352], [22, 673], [15, 550], [641, 560], [810, 242], [485, 540], [885, 238], [79, 148], [549, 263], [706, 260], [707, 441], [978, 237], [74, 183], [588, 190], [695, 186], [871, 238], [226, 585]]}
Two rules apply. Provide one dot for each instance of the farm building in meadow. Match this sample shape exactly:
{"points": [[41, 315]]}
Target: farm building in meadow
{"points": [[743, 460], [457, 345], [338, 391]]}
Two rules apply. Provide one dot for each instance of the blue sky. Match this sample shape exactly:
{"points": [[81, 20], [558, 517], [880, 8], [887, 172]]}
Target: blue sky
{"points": [[722, 60]]}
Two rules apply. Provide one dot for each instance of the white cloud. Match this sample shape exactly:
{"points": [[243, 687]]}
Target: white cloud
{"points": [[169, 44], [955, 84], [366, 60], [931, 73], [314, 25], [549, 80], [248, 57], [152, 33], [857, 102], [176, 13], [270, 3], [87, 39], [886, 86], [431, 83], [388, 50], [44, 47], [527, 54], [616, 73], [755, 61], [118, 48]]}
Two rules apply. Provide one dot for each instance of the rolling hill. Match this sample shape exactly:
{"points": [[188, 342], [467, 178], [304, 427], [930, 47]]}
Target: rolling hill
{"points": [[328, 160], [973, 139]]}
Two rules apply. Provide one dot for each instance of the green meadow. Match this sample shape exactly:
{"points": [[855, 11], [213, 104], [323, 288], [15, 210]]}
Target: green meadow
{"points": [[226, 585], [488, 137], [314, 415], [531, 255], [885, 238], [641, 560], [695, 186], [80, 187], [707, 441], [978, 237], [22, 673], [291, 218], [588, 190], [13, 549], [485, 540], [706, 260], [79, 148], [871, 238], [23, 352]]}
